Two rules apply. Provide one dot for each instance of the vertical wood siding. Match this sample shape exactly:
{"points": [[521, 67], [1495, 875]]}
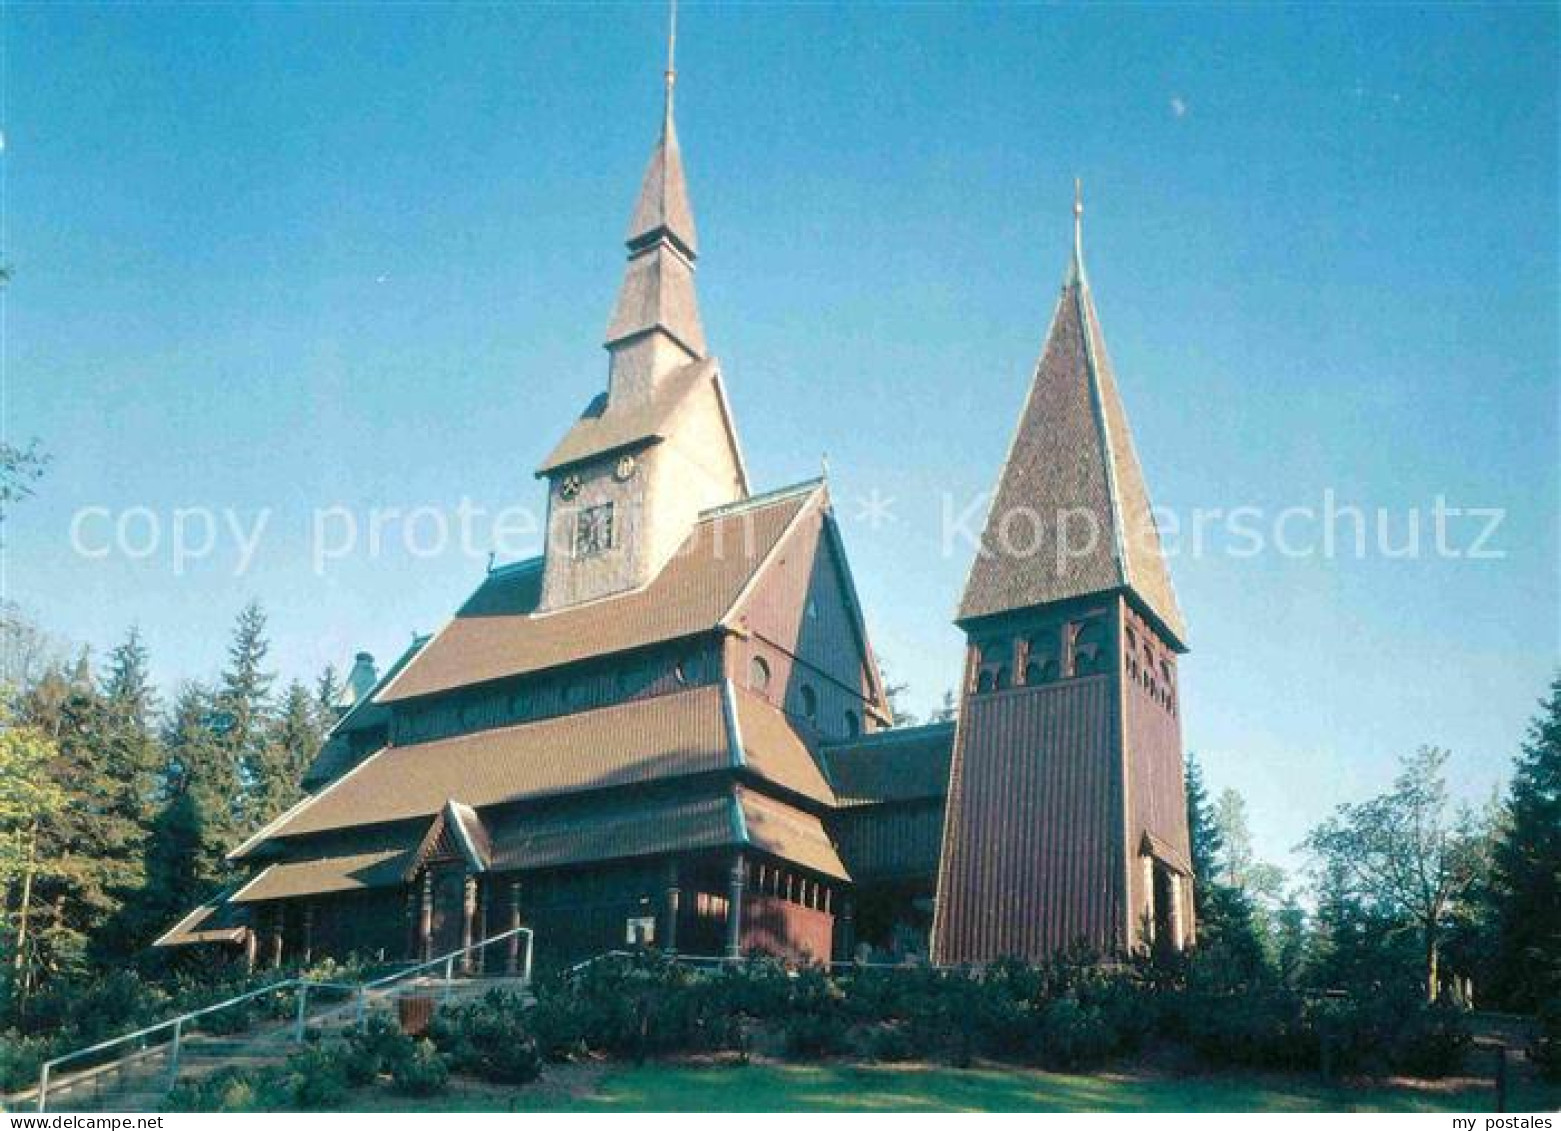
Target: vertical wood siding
{"points": [[1034, 853]]}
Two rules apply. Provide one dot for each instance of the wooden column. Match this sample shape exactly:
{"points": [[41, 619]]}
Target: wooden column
{"points": [[484, 899], [277, 914], [308, 933], [425, 917], [1148, 904], [468, 921], [1178, 939], [251, 949], [669, 931], [512, 960], [734, 907]]}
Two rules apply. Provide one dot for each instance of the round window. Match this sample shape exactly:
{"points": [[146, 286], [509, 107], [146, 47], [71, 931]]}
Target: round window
{"points": [[759, 674]]}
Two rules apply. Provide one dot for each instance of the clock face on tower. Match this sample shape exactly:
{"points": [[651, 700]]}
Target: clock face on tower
{"points": [[593, 530]]}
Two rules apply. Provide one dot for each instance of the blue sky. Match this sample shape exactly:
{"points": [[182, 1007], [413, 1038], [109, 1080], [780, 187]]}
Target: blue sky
{"points": [[295, 256]]}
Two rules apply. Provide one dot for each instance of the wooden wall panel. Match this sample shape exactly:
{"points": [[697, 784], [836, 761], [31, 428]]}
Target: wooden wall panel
{"points": [[777, 926], [1033, 850]]}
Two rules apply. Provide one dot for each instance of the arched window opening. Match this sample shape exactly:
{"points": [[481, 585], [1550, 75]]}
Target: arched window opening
{"points": [[759, 674]]}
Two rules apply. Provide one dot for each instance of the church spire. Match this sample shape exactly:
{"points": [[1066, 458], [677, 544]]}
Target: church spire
{"points": [[1072, 467], [657, 298]]}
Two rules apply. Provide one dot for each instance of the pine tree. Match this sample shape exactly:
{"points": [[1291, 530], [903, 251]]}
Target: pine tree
{"points": [[244, 708], [202, 782], [327, 689], [1526, 882], [1203, 833], [91, 851], [293, 741], [29, 800]]}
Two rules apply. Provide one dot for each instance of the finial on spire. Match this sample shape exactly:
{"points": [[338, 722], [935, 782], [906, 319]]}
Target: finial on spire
{"points": [[1076, 268], [672, 50]]}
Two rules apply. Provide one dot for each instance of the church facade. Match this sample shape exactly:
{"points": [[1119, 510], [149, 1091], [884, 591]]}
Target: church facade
{"points": [[670, 729]]}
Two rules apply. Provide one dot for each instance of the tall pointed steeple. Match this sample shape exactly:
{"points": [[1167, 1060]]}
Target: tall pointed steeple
{"points": [[630, 479], [1067, 817], [655, 325], [1072, 515]]}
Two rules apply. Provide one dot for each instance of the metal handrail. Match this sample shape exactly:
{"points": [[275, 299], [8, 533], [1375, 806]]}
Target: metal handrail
{"points": [[303, 985], [728, 959]]}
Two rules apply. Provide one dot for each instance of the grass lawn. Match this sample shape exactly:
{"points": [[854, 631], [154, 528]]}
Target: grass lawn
{"points": [[674, 1087]]}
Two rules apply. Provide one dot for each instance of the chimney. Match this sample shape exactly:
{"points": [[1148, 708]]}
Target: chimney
{"points": [[360, 682]]}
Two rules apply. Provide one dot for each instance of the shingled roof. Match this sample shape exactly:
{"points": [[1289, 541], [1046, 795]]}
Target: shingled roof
{"points": [[498, 632], [658, 289], [608, 426], [896, 764], [1071, 515], [215, 921], [357, 871], [640, 741], [697, 731]]}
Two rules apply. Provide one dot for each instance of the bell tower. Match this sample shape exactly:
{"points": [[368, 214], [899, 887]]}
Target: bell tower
{"points": [[1067, 820], [628, 481]]}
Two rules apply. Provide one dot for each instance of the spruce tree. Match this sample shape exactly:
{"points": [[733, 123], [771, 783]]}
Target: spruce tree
{"points": [[291, 744], [1203, 833], [1526, 881], [244, 709]]}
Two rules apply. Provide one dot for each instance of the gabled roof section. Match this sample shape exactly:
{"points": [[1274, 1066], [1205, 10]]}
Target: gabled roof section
{"points": [[497, 633], [338, 755], [764, 741], [606, 427], [781, 830], [632, 743], [457, 833], [1071, 515], [355, 871], [898, 764], [614, 829], [215, 921]]}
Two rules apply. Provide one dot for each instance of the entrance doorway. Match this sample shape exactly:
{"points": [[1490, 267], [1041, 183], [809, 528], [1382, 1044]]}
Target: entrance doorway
{"points": [[449, 890]]}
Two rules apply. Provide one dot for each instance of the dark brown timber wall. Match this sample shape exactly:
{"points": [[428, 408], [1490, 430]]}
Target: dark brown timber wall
{"points": [[1034, 847], [777, 926]]}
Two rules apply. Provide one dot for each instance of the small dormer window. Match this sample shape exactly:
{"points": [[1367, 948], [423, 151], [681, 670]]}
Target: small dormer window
{"points": [[593, 530]]}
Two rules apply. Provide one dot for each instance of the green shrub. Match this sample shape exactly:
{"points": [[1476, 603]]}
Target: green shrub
{"points": [[892, 1042], [488, 1039], [1545, 1052], [812, 1035], [374, 1048], [227, 1089], [1430, 1042], [315, 1078], [1072, 1036], [21, 1059], [424, 1073]]}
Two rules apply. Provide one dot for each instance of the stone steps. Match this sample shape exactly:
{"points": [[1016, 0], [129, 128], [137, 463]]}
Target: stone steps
{"points": [[142, 1084]]}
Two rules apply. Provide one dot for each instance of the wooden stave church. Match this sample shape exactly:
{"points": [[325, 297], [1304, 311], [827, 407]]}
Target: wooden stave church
{"points": [[690, 747]]}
